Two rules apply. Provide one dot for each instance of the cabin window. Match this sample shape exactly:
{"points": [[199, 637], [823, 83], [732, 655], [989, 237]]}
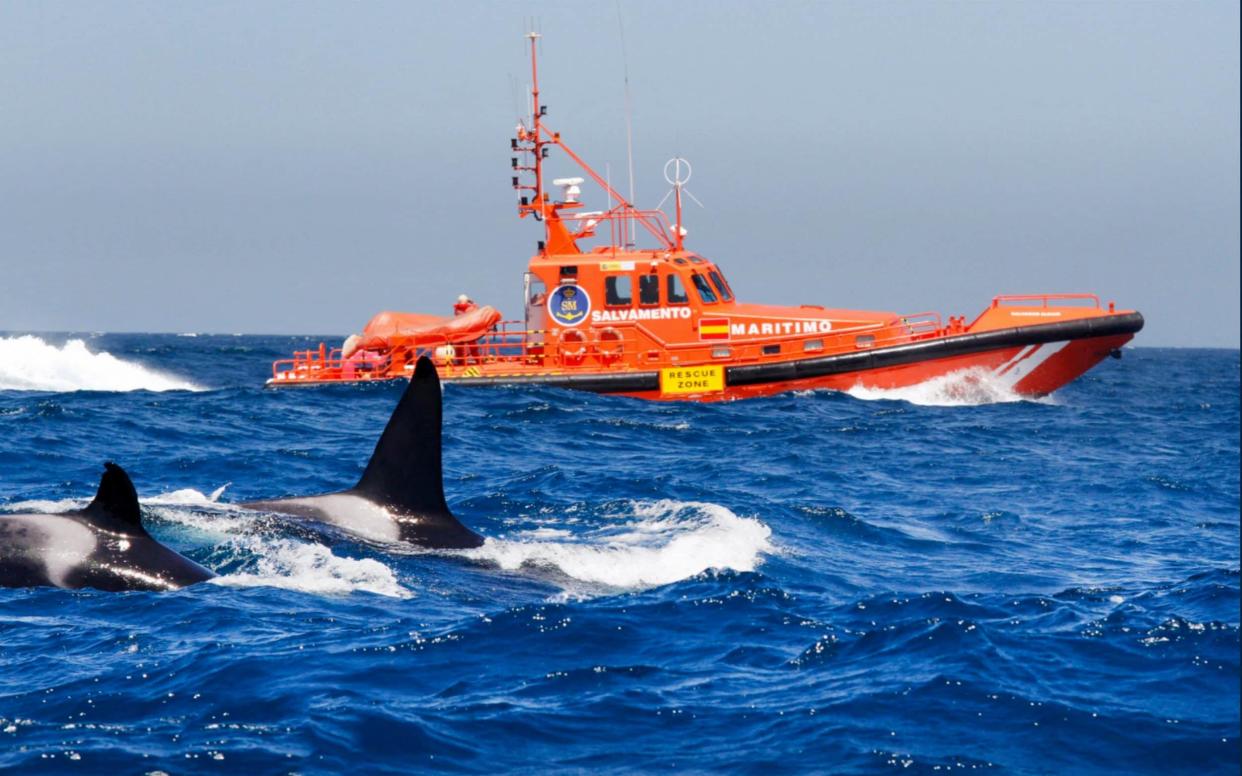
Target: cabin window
{"points": [[721, 286], [695, 260], [676, 291], [680, 261], [536, 298], [618, 291], [536, 291], [704, 288], [648, 290]]}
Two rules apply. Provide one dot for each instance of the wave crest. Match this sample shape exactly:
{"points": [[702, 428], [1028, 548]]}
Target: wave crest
{"points": [[312, 568], [662, 542], [250, 556], [28, 363]]}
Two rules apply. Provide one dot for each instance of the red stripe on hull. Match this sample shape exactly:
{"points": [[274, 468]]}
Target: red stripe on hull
{"points": [[1064, 366], [1071, 362]]}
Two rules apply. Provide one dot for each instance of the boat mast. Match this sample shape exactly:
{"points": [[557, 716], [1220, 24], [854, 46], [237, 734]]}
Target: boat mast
{"points": [[537, 111], [677, 172], [535, 139]]}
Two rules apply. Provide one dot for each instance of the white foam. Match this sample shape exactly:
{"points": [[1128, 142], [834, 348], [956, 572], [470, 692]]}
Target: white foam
{"points": [[184, 497], [290, 564], [964, 388], [188, 497], [313, 568], [44, 506], [658, 544], [27, 363]]}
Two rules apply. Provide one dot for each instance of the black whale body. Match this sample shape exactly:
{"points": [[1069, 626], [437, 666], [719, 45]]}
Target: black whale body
{"points": [[103, 546], [400, 496]]}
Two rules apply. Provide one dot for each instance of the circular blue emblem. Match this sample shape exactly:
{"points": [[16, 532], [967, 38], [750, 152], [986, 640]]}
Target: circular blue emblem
{"points": [[569, 305]]}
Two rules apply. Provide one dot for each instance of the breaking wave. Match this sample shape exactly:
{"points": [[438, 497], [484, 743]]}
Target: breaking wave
{"points": [[245, 545], [311, 568], [966, 388], [660, 543], [27, 363]]}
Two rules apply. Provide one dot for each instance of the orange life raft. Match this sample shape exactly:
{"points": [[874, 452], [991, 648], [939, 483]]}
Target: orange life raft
{"points": [[389, 330]]}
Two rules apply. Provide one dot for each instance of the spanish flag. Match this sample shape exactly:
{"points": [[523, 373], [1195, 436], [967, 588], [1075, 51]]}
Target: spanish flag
{"points": [[713, 328]]}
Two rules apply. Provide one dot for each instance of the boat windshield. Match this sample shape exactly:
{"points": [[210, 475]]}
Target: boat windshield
{"points": [[536, 298], [704, 288], [676, 291], [618, 291], [718, 279], [648, 290]]}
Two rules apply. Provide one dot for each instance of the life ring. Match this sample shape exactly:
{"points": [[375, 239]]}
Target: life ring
{"points": [[610, 344], [573, 346], [446, 353]]}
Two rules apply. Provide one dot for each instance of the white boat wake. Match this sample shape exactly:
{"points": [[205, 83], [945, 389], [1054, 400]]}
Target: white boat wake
{"points": [[966, 388]]}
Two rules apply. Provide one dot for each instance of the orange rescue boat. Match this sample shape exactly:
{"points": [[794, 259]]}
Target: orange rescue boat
{"points": [[663, 322]]}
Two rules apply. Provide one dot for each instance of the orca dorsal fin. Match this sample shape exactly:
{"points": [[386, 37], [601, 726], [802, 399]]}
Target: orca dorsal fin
{"points": [[116, 498], [405, 472]]}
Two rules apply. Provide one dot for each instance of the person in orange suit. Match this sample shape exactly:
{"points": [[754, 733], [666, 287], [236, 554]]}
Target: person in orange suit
{"points": [[464, 304]]}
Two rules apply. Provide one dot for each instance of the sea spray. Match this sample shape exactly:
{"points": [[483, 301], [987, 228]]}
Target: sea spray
{"points": [[659, 543], [256, 555], [965, 388], [28, 363]]}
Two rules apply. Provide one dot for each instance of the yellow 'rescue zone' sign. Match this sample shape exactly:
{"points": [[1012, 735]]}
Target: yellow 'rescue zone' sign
{"points": [[692, 379]]}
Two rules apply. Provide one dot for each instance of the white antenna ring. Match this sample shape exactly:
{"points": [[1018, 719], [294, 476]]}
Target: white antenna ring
{"points": [[676, 179]]}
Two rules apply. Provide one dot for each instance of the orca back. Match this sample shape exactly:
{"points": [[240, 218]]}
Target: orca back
{"points": [[404, 477], [116, 500], [103, 546], [405, 471]]}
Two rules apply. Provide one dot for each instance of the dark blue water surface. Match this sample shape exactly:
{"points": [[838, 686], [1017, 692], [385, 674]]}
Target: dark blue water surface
{"points": [[817, 582]]}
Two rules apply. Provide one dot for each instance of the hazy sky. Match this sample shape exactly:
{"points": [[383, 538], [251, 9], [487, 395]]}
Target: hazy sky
{"points": [[295, 167]]}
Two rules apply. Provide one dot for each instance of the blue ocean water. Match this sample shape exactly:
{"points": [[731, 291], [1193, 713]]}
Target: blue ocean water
{"points": [[926, 580]]}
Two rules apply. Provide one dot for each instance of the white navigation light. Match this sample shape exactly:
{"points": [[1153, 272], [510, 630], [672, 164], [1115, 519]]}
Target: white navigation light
{"points": [[571, 187]]}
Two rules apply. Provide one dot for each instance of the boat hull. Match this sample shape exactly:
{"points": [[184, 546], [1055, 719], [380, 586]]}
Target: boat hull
{"points": [[1030, 360]]}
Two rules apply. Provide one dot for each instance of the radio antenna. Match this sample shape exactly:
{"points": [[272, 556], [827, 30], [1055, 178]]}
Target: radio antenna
{"points": [[516, 94], [612, 227], [629, 127]]}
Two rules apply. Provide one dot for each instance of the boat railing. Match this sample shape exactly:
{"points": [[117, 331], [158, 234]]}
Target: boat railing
{"points": [[862, 336], [1045, 300], [922, 325], [328, 364], [508, 340], [622, 345], [621, 219]]}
